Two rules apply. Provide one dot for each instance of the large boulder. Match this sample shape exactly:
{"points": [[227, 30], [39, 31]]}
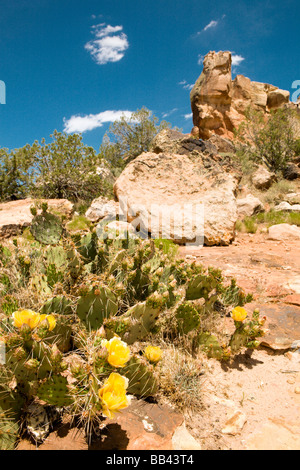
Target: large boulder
{"points": [[219, 103], [172, 142], [291, 171], [262, 178], [282, 232], [168, 194], [248, 206], [15, 216]]}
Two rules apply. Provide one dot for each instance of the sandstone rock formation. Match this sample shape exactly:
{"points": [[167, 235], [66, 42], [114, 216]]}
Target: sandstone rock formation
{"points": [[166, 192], [219, 103]]}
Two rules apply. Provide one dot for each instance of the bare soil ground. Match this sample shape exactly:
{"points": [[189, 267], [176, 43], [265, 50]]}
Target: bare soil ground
{"points": [[254, 402]]}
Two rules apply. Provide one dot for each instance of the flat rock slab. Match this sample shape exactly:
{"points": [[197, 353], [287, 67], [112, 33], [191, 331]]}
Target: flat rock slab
{"points": [[142, 426], [276, 435], [283, 323], [15, 216]]}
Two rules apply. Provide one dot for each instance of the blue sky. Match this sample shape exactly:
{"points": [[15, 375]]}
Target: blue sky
{"points": [[76, 65]]}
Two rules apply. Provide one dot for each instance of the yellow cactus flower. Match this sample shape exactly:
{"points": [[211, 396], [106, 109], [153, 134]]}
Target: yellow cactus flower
{"points": [[113, 395], [118, 351], [26, 317], [239, 314], [153, 353], [51, 320]]}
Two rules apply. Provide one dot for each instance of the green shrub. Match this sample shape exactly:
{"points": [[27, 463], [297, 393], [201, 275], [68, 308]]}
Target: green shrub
{"points": [[270, 142], [64, 168], [297, 147], [130, 137]]}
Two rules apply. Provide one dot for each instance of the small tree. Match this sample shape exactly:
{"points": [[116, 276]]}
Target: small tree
{"points": [[267, 140], [132, 136], [66, 168], [16, 172]]}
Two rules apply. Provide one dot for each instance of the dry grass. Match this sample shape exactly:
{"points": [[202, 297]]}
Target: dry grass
{"points": [[181, 379]]}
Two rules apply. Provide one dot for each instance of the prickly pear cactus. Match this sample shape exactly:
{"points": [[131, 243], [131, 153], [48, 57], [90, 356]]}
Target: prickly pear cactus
{"points": [[200, 287], [11, 404], [87, 246], [55, 391], [59, 304], [142, 378], [96, 305], [247, 332], [56, 255], [187, 317], [210, 345], [135, 325], [46, 228]]}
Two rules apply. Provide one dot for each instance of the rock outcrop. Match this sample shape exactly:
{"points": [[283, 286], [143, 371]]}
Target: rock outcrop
{"points": [[15, 216], [168, 192], [219, 103]]}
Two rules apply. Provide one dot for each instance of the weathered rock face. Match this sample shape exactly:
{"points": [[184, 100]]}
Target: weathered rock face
{"points": [[167, 193], [219, 103]]}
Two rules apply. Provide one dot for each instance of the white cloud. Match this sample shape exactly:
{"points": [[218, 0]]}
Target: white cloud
{"points": [[210, 25], [109, 45], [188, 116], [92, 121], [185, 85], [200, 59], [236, 60], [102, 30], [164, 115]]}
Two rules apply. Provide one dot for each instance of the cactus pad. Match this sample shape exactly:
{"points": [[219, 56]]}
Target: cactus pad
{"points": [[46, 228], [55, 391], [99, 303]]}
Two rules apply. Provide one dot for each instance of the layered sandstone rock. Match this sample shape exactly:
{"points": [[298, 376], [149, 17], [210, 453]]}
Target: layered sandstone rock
{"points": [[219, 103]]}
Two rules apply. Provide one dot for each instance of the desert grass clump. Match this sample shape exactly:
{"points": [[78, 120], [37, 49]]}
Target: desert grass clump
{"points": [[181, 379], [274, 218]]}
